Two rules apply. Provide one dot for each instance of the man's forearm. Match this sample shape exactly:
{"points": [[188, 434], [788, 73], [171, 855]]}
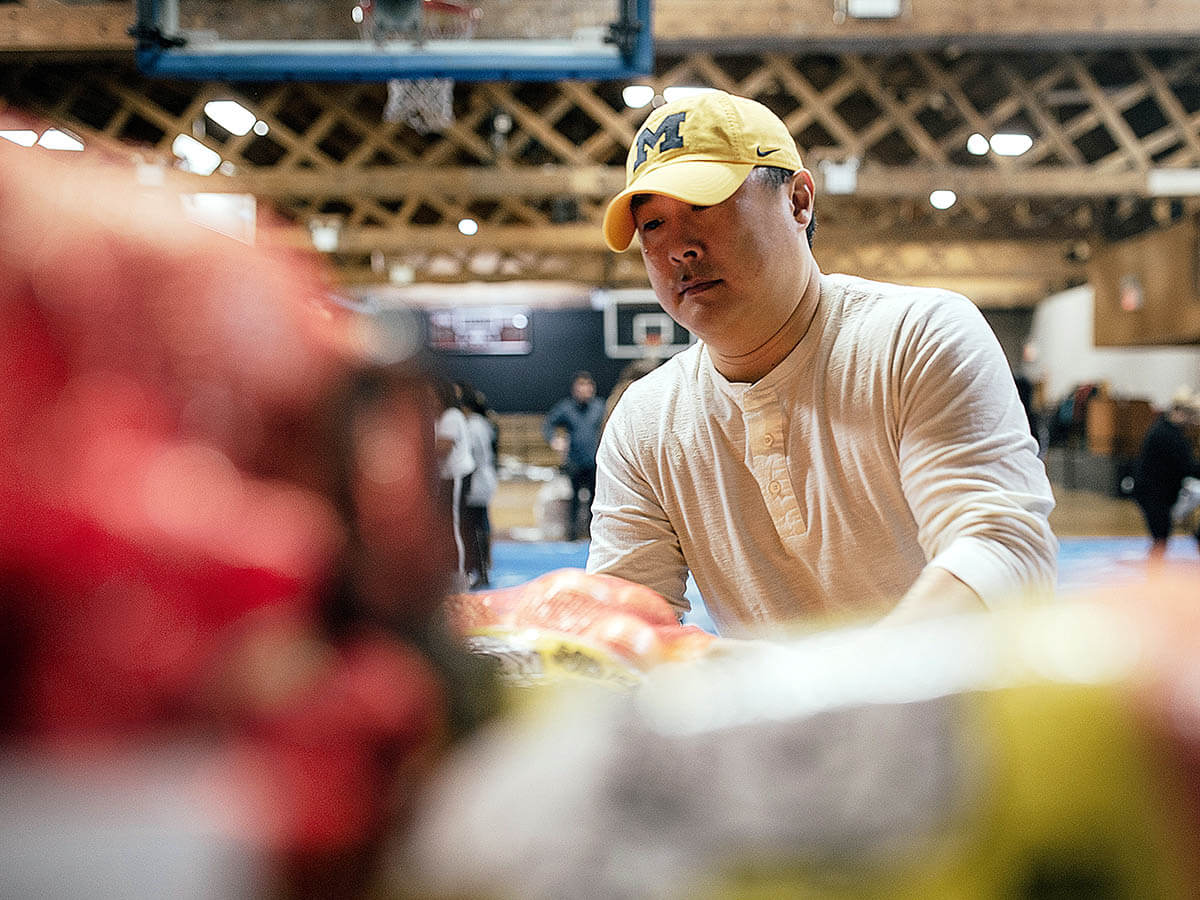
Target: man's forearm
{"points": [[936, 592]]}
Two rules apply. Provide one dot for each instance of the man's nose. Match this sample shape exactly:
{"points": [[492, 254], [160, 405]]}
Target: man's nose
{"points": [[686, 247]]}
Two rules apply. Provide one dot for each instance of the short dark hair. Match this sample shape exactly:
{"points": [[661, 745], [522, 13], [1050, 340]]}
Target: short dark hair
{"points": [[772, 175], [775, 176]]}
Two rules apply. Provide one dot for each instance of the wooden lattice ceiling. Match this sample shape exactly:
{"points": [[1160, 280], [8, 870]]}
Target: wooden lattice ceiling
{"points": [[1101, 121]]}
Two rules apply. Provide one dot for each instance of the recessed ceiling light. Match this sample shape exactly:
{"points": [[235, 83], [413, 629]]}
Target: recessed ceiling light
{"points": [[59, 140], [977, 144], [943, 199], [23, 137], [637, 95], [1011, 144], [230, 115], [196, 157]]}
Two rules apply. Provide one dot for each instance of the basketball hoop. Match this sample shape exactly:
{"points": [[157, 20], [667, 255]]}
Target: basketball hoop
{"points": [[427, 104]]}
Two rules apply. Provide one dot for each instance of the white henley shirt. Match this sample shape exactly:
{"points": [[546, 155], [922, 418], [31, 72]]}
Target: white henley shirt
{"points": [[890, 438]]}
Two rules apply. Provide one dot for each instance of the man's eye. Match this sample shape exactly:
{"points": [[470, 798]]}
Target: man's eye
{"points": [[651, 225]]}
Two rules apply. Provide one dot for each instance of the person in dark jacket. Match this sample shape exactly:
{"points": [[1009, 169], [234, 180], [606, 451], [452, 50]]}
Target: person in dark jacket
{"points": [[1166, 458], [580, 416]]}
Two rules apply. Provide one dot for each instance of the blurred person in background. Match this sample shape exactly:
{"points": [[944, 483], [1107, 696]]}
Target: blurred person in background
{"points": [[223, 555], [456, 464], [831, 446], [572, 429], [476, 522], [1166, 458]]}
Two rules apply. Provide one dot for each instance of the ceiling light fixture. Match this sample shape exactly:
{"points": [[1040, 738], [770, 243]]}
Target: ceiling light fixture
{"points": [[873, 9], [943, 199], [196, 157], [59, 140], [230, 115], [23, 137], [1010, 144], [325, 232], [637, 95]]}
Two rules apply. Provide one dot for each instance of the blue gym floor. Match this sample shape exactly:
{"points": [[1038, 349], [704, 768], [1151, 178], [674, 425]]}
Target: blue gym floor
{"points": [[1082, 563]]}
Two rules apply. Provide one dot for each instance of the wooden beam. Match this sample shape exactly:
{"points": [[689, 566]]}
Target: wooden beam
{"points": [[800, 25], [992, 273], [984, 291], [508, 238], [485, 182], [1040, 261], [1039, 258], [47, 26], [1049, 181], [807, 24]]}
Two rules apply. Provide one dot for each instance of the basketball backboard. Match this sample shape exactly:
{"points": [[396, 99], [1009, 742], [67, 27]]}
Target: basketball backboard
{"points": [[635, 326], [379, 40]]}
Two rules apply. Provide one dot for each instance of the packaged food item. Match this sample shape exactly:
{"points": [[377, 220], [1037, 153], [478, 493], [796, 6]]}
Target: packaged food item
{"points": [[1030, 752], [568, 623]]}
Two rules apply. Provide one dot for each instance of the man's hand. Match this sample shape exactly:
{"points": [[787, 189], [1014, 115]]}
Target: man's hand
{"points": [[936, 592], [559, 443]]}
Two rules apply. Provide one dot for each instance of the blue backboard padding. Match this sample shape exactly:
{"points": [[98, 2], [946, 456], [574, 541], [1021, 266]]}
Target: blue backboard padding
{"points": [[381, 67], [461, 60]]}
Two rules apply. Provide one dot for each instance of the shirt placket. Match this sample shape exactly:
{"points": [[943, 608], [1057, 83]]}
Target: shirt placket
{"points": [[767, 460]]}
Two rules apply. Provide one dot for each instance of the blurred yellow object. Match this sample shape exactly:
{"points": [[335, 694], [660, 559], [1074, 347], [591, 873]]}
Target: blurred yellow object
{"points": [[1037, 752], [1073, 801]]}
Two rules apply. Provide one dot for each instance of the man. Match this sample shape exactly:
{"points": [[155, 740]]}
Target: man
{"points": [[1165, 460], [832, 446], [580, 416]]}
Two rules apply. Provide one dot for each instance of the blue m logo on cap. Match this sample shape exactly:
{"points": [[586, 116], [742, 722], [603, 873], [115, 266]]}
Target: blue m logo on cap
{"points": [[665, 137]]}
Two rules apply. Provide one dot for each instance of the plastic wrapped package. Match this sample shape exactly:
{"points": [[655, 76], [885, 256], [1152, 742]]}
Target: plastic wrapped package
{"points": [[568, 624], [1045, 751]]}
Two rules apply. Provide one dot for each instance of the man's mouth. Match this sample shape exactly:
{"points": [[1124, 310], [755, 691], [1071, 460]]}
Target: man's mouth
{"points": [[693, 288]]}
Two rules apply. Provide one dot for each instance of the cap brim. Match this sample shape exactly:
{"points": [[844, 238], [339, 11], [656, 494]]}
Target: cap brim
{"points": [[702, 182]]}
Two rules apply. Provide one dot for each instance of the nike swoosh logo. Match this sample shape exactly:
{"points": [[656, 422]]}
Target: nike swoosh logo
{"points": [[762, 152]]}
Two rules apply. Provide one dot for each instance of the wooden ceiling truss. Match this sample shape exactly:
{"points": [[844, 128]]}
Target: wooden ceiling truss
{"points": [[533, 163]]}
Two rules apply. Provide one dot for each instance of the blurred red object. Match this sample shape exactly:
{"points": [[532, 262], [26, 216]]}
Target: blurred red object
{"points": [[181, 498]]}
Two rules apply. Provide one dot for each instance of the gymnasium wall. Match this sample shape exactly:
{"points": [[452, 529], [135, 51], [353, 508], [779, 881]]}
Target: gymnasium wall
{"points": [[566, 340]]}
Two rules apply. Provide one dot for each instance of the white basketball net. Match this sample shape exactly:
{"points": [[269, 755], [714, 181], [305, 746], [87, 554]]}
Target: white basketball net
{"points": [[427, 104]]}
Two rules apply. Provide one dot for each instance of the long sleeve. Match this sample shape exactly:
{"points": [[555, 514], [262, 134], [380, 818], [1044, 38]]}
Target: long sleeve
{"points": [[969, 465], [632, 536]]}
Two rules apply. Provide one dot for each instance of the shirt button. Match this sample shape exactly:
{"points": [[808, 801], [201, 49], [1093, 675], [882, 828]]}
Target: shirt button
{"points": [[769, 439], [775, 487]]}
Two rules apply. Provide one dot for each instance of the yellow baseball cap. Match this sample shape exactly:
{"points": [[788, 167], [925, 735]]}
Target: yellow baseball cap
{"points": [[698, 149]]}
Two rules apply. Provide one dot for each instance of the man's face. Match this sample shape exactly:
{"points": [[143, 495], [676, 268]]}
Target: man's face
{"points": [[583, 390], [731, 273]]}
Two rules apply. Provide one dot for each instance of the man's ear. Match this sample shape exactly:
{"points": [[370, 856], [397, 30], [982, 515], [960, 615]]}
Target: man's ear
{"points": [[803, 193]]}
